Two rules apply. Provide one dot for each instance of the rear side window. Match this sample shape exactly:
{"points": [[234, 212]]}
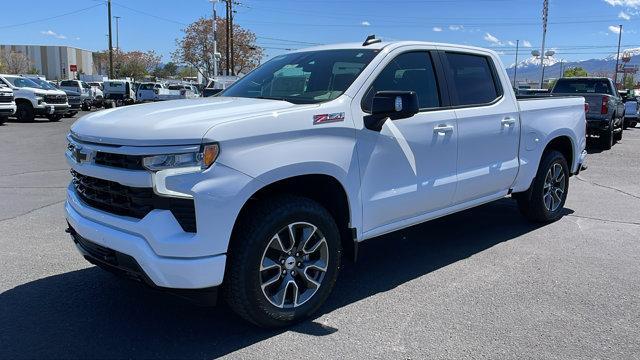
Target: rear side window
{"points": [[69, 83], [474, 80], [411, 71]]}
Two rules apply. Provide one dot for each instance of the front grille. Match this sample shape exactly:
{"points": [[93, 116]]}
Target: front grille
{"points": [[131, 162], [74, 100], [55, 99], [6, 99], [135, 202]]}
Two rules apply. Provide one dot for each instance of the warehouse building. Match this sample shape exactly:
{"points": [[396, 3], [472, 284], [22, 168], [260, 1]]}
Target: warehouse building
{"points": [[55, 62]]}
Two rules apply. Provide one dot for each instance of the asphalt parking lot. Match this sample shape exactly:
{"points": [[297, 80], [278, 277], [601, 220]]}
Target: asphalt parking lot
{"points": [[480, 284]]}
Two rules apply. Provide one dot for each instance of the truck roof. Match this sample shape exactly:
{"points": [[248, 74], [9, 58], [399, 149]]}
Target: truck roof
{"points": [[390, 44]]}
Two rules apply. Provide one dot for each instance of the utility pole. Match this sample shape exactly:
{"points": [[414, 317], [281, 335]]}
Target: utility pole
{"points": [[117, 31], [215, 40], [110, 40], [233, 70], [561, 68], [545, 16], [615, 73], [515, 70], [226, 50]]}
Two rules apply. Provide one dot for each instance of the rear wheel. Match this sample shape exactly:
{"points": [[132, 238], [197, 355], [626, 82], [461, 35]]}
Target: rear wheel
{"points": [[544, 201], [283, 261], [606, 138], [3, 119]]}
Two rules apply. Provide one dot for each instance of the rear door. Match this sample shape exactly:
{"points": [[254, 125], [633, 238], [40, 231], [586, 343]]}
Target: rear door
{"points": [[488, 125]]}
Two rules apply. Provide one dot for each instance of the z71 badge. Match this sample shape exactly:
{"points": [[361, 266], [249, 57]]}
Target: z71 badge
{"points": [[328, 118]]}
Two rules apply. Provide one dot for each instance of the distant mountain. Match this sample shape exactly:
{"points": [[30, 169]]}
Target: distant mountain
{"points": [[529, 69]]}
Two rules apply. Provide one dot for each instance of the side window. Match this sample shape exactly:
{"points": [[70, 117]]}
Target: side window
{"points": [[412, 71], [474, 79]]}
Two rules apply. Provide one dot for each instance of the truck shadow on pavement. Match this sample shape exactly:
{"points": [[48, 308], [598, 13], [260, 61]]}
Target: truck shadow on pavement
{"points": [[90, 313]]}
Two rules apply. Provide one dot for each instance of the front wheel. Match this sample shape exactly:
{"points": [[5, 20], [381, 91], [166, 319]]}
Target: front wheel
{"points": [[283, 261], [544, 201], [54, 117]]}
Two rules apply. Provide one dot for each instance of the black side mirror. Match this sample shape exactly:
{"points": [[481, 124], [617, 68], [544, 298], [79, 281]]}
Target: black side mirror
{"points": [[392, 105]]}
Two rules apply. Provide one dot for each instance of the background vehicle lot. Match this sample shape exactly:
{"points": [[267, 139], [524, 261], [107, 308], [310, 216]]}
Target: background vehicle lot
{"points": [[481, 283]]}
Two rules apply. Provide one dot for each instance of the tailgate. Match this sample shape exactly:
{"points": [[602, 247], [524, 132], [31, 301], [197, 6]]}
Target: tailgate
{"points": [[595, 103]]}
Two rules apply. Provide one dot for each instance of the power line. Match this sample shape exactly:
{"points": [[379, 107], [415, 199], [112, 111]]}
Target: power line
{"points": [[49, 18]]}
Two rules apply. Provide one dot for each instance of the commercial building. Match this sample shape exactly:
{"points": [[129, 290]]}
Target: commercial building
{"points": [[54, 62]]}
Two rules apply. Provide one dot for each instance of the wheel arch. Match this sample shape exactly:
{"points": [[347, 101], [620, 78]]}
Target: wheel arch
{"points": [[323, 188], [564, 145]]}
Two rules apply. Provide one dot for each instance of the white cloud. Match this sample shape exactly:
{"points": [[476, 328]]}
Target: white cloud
{"points": [[365, 23], [526, 44], [627, 3], [437, 29], [53, 34], [492, 39], [455, 27], [624, 15], [511, 43], [614, 29]]}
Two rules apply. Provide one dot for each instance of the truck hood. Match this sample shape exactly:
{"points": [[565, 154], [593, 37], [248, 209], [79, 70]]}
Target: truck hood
{"points": [[177, 122]]}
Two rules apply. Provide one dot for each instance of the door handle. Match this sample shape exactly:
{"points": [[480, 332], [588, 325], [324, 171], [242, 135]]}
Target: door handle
{"points": [[508, 121], [443, 129]]}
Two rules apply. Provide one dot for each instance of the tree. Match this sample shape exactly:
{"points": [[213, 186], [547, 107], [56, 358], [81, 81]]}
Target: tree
{"points": [[187, 71], [16, 63], [629, 82], [169, 70], [575, 72], [135, 64], [195, 48]]}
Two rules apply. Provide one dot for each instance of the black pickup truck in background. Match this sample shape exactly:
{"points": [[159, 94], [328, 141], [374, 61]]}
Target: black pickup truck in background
{"points": [[606, 107]]}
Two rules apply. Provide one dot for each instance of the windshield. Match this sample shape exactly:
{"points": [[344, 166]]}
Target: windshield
{"points": [[43, 84], [583, 86], [21, 82], [305, 77]]}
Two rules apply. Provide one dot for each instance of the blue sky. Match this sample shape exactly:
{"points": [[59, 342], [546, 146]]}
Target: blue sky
{"points": [[578, 29]]}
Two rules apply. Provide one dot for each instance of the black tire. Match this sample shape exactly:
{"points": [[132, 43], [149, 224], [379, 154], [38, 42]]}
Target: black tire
{"points": [[86, 107], [532, 202], [25, 112], [606, 138], [618, 136], [70, 114], [253, 234], [633, 124], [3, 119], [54, 117]]}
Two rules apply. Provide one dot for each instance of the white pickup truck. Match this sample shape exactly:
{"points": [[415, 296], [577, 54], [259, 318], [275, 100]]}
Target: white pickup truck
{"points": [[259, 191], [32, 100], [7, 103]]}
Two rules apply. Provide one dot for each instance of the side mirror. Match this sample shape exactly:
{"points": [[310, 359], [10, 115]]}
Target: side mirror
{"points": [[392, 105]]}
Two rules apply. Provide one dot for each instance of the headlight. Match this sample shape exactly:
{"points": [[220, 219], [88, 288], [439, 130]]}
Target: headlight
{"points": [[203, 159]]}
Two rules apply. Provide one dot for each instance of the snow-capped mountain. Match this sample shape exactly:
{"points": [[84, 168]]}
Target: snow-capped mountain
{"points": [[529, 69]]}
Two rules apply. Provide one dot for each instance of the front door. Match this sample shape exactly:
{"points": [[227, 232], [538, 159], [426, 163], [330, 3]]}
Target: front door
{"points": [[409, 168]]}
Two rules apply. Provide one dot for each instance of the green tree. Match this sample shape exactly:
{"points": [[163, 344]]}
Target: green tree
{"points": [[575, 72], [169, 70], [629, 82]]}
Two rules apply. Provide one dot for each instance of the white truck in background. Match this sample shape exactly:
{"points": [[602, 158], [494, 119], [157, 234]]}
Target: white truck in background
{"points": [[32, 100], [7, 103], [260, 190]]}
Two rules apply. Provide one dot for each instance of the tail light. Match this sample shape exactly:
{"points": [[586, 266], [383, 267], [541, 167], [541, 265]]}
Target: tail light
{"points": [[605, 105], [586, 108]]}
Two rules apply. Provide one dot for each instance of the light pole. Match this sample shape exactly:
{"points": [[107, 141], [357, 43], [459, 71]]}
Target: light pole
{"points": [[515, 69], [538, 55], [545, 16], [117, 31], [615, 73]]}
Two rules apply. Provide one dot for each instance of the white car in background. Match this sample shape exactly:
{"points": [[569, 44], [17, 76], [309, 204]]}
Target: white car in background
{"points": [[150, 91], [32, 100], [7, 103]]}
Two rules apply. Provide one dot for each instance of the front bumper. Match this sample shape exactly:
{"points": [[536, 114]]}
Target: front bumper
{"points": [[51, 109], [6, 110], [131, 237]]}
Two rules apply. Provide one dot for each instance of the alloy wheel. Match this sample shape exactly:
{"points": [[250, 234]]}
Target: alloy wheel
{"points": [[293, 265], [554, 187]]}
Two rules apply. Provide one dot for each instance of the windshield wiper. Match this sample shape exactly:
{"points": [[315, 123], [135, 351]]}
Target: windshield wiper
{"points": [[273, 98]]}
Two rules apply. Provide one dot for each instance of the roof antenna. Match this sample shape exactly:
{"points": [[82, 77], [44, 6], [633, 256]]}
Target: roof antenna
{"points": [[371, 39]]}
